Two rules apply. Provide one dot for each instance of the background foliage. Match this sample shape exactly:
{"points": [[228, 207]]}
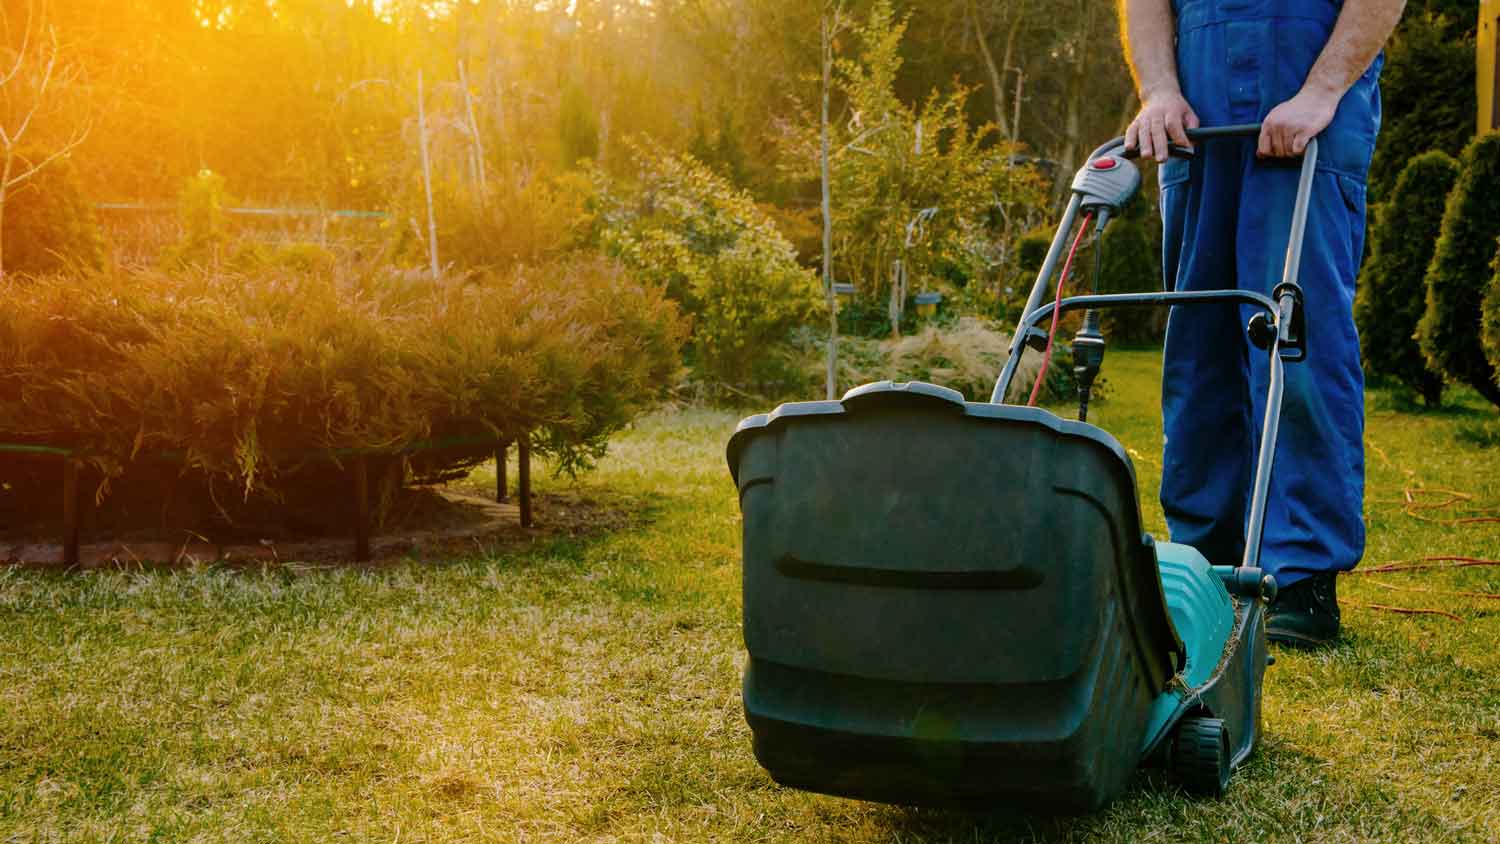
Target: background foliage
{"points": [[49, 223], [704, 241], [1460, 271], [1392, 285]]}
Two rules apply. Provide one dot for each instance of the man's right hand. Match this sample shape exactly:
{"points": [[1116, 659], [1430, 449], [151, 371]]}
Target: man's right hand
{"points": [[1164, 119]]}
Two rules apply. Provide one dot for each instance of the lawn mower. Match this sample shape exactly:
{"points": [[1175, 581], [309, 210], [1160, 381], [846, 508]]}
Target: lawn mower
{"points": [[953, 603]]}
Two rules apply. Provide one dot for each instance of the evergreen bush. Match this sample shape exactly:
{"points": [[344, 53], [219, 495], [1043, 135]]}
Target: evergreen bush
{"points": [[49, 226], [519, 218], [1427, 89], [246, 380], [1392, 285], [718, 254], [1459, 273], [1031, 249], [1492, 316], [205, 227], [1130, 264]]}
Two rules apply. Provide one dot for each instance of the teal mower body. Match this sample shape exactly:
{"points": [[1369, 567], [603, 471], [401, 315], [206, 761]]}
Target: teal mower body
{"points": [[953, 603]]}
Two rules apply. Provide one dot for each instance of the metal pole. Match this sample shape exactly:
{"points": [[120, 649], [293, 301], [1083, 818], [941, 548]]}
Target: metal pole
{"points": [[1267, 457], [1292, 269], [1255, 529], [361, 509], [1038, 291]]}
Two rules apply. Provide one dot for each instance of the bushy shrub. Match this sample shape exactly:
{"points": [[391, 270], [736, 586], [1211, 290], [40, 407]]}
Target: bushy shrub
{"points": [[1459, 273], [717, 253], [247, 378], [913, 180], [519, 218], [49, 225], [1432, 51], [1031, 249], [1492, 317], [205, 228], [578, 127], [1130, 264], [1392, 285]]}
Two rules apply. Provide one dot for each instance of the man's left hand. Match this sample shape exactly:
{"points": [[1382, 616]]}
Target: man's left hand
{"points": [[1287, 129]]}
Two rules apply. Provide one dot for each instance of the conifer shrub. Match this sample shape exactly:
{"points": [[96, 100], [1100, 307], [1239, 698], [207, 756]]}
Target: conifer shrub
{"points": [[1432, 51], [251, 383], [205, 225], [519, 217], [49, 224], [1492, 317], [1392, 285], [1460, 271]]}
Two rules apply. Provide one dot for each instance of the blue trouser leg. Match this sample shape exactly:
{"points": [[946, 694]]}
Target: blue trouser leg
{"points": [[1205, 406], [1226, 222], [1226, 217], [1314, 517]]}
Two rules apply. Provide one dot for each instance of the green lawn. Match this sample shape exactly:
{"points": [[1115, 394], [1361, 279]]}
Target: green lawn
{"points": [[587, 688]]}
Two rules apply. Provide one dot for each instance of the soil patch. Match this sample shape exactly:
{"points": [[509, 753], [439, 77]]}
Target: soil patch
{"points": [[429, 523]]}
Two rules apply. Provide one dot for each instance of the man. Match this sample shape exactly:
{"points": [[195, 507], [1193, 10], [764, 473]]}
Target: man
{"points": [[1305, 69]]}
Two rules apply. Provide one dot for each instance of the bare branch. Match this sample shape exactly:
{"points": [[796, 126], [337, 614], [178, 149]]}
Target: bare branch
{"points": [[15, 136], [33, 168], [21, 53]]}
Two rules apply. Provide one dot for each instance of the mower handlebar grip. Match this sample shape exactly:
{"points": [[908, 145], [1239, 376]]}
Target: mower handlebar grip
{"points": [[1201, 134]]}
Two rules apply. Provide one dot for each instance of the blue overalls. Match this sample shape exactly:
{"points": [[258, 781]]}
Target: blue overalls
{"points": [[1226, 218]]}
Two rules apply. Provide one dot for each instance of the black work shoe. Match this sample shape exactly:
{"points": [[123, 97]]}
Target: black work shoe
{"points": [[1305, 614]]}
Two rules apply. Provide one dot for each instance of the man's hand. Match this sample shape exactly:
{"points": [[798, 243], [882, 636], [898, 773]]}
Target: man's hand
{"points": [[1165, 118], [1287, 129]]}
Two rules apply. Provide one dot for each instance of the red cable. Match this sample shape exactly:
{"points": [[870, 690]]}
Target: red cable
{"points": [[1041, 376]]}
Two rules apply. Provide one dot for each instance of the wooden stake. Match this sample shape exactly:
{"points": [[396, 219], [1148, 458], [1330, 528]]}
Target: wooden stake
{"points": [[524, 480], [502, 483], [70, 512], [361, 509]]}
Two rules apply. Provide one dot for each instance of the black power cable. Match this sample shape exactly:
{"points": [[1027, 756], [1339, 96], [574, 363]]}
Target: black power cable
{"points": [[1088, 343]]}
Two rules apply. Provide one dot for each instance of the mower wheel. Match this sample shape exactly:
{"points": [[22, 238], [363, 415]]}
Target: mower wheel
{"points": [[1200, 756]]}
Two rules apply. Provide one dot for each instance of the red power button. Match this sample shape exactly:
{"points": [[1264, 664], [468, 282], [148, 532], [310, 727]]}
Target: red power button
{"points": [[1105, 164]]}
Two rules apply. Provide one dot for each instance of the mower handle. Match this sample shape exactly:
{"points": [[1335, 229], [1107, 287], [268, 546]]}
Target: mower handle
{"points": [[1284, 333], [1201, 134]]}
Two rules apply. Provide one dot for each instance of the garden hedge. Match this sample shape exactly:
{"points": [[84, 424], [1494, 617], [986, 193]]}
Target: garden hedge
{"points": [[1460, 271], [1392, 285], [246, 382]]}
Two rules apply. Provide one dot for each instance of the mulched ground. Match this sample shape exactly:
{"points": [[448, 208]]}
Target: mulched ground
{"points": [[428, 522]]}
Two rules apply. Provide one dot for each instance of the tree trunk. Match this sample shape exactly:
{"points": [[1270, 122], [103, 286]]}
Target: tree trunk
{"points": [[1078, 77], [1015, 123], [997, 79], [1067, 159], [828, 292]]}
